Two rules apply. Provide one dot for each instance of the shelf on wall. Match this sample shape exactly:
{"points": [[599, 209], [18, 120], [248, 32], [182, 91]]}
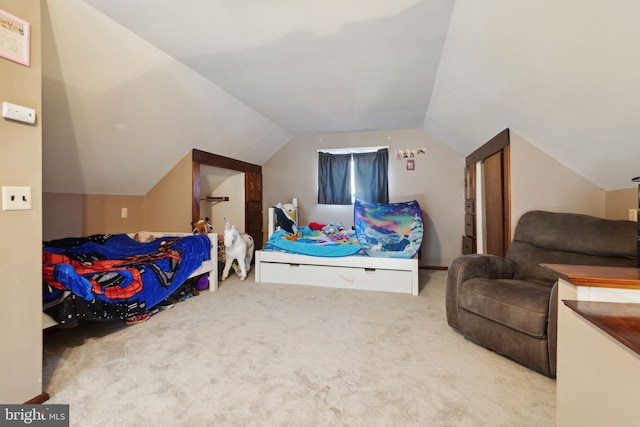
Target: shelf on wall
{"points": [[215, 200]]}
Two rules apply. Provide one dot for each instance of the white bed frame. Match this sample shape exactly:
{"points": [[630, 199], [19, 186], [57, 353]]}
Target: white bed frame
{"points": [[350, 272], [210, 267]]}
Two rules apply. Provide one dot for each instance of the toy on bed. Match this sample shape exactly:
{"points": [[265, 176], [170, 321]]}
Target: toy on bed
{"points": [[331, 228], [285, 217], [144, 237], [202, 226], [238, 247]]}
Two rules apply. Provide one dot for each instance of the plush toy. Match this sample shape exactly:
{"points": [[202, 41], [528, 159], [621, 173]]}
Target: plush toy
{"points": [[238, 247], [315, 226], [332, 228], [202, 226], [292, 237], [144, 237], [284, 219], [289, 210]]}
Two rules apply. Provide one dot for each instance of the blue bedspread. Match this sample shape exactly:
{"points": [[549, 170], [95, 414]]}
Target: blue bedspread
{"points": [[117, 276], [314, 247]]}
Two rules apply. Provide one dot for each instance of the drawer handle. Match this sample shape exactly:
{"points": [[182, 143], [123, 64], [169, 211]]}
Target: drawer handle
{"points": [[370, 270]]}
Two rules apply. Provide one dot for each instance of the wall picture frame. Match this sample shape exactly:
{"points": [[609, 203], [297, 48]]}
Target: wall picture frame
{"points": [[15, 39], [411, 165]]}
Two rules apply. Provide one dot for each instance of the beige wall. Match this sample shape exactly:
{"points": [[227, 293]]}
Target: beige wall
{"points": [[168, 203], [103, 214], [167, 207], [233, 210], [436, 183], [21, 231], [62, 215], [618, 203], [540, 182], [72, 215]]}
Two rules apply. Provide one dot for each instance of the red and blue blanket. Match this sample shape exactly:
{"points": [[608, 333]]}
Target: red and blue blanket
{"points": [[113, 276]]}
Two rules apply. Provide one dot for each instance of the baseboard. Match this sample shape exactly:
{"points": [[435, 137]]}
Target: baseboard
{"points": [[43, 397], [433, 267]]}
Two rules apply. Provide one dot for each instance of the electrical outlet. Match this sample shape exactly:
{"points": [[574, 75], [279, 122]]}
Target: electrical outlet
{"points": [[16, 198], [633, 214]]}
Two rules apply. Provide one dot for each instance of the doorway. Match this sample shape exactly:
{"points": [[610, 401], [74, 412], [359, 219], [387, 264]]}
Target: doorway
{"points": [[488, 198], [252, 189]]}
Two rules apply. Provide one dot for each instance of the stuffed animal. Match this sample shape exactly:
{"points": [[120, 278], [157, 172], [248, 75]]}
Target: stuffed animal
{"points": [[292, 237], [332, 228], [144, 237], [284, 219], [202, 226], [289, 210], [238, 247]]}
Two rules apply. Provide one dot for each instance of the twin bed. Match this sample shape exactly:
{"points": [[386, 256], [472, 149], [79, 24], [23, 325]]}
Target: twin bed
{"points": [[106, 277], [381, 254]]}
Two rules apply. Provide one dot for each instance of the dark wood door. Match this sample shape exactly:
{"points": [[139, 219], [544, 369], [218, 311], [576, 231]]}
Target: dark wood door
{"points": [[493, 201], [469, 239], [253, 207], [494, 160]]}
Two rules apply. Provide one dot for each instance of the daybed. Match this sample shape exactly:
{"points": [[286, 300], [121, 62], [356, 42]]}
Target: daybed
{"points": [[106, 277], [509, 304], [382, 257]]}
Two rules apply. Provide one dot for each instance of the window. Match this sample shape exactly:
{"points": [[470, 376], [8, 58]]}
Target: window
{"points": [[344, 176]]}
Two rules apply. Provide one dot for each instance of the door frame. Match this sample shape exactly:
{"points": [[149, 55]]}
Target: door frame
{"points": [[198, 158], [499, 143]]}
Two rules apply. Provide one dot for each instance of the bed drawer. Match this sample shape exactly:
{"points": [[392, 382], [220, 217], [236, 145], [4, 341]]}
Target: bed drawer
{"points": [[337, 277]]}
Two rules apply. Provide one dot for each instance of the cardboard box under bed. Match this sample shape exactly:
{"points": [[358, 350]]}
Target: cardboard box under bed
{"points": [[350, 272]]}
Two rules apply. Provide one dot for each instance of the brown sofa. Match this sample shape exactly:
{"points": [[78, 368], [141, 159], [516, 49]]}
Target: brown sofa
{"points": [[509, 304]]}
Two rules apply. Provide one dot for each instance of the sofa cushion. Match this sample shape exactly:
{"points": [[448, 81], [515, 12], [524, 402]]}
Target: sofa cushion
{"points": [[517, 304]]}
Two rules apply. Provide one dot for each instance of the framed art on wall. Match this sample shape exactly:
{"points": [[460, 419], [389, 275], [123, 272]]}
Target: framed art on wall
{"points": [[15, 36]]}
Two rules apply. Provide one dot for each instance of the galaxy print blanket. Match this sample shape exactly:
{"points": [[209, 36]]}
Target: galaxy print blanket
{"points": [[113, 276], [392, 230]]}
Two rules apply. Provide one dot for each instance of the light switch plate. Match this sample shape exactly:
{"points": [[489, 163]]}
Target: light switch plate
{"points": [[16, 198]]}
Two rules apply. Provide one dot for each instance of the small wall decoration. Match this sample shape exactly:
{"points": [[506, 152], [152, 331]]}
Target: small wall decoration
{"points": [[411, 165], [15, 36], [410, 153]]}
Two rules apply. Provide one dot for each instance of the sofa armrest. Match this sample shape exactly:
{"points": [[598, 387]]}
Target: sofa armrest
{"points": [[552, 330], [473, 266]]}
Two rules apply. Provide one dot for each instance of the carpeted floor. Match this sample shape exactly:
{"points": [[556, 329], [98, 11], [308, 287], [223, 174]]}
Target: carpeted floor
{"points": [[281, 355]]}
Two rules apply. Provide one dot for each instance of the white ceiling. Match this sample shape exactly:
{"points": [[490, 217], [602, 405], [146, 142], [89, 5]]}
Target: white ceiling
{"points": [[129, 87]]}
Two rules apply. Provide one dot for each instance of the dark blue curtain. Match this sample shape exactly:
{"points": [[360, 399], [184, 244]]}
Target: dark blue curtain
{"points": [[334, 182], [371, 174]]}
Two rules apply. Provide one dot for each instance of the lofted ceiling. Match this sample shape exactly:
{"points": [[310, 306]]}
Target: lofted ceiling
{"points": [[129, 87]]}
